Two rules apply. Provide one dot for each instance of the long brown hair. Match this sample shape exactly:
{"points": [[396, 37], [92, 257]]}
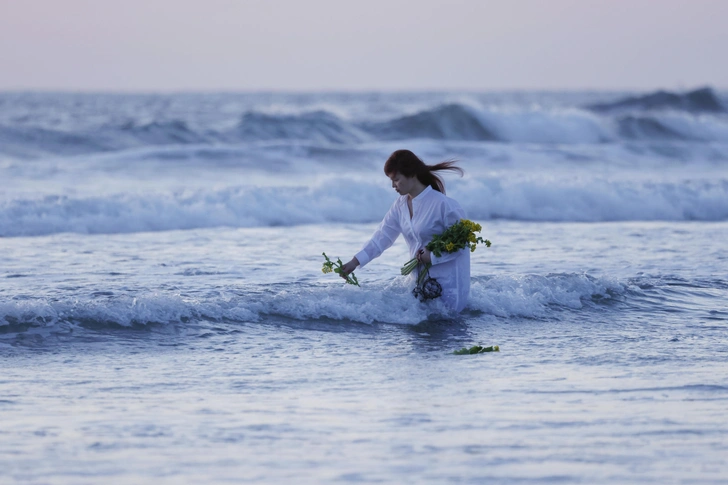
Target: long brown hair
{"points": [[406, 163]]}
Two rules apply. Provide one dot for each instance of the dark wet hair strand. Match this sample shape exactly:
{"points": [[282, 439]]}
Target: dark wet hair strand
{"points": [[406, 163]]}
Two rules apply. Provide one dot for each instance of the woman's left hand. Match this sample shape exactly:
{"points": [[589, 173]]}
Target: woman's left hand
{"points": [[423, 256]]}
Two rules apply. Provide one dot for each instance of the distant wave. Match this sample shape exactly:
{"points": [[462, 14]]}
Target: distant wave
{"points": [[639, 128], [160, 133], [701, 100], [595, 200], [671, 126], [385, 302], [37, 141], [449, 122], [232, 207], [317, 126], [452, 121], [483, 199]]}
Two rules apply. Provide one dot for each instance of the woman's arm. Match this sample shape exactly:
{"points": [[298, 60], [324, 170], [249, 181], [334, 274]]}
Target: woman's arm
{"points": [[382, 239]]}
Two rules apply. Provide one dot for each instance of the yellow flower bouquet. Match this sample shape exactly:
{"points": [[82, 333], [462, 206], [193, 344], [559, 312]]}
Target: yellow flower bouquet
{"points": [[456, 237]]}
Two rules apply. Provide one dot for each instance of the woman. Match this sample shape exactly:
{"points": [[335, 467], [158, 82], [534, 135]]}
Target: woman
{"points": [[421, 212]]}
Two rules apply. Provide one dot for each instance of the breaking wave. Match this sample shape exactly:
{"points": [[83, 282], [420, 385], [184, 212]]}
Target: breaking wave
{"points": [[519, 295], [317, 126], [702, 100], [593, 200], [449, 122], [628, 120]]}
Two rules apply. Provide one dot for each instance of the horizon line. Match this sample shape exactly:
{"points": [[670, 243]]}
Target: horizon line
{"points": [[175, 91]]}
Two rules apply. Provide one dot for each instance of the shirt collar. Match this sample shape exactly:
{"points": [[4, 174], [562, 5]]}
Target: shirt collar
{"points": [[422, 194]]}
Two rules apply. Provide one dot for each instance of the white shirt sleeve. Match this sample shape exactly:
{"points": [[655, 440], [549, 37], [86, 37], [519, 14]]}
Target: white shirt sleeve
{"points": [[383, 238]]}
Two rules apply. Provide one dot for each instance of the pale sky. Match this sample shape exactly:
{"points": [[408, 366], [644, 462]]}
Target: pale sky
{"points": [[316, 45]]}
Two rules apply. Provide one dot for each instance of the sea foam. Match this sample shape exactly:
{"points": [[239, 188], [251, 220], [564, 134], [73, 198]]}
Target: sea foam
{"points": [[379, 302], [340, 201]]}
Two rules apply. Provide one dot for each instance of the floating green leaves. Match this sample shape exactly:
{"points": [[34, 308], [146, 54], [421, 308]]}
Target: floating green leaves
{"points": [[477, 349]]}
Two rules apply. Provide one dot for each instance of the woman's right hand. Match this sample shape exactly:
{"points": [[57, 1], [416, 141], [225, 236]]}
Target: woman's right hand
{"points": [[349, 267]]}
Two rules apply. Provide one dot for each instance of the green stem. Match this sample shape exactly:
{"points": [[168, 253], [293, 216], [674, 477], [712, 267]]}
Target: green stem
{"points": [[409, 266], [423, 273]]}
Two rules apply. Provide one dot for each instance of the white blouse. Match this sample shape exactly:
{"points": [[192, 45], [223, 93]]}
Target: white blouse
{"points": [[432, 213]]}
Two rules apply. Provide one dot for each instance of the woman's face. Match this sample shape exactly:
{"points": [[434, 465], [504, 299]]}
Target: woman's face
{"points": [[403, 185]]}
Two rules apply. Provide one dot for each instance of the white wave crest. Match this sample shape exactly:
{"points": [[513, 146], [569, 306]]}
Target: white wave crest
{"points": [[594, 200], [460, 121], [565, 199], [534, 295], [529, 296]]}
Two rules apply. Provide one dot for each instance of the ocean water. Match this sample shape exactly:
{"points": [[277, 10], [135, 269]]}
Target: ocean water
{"points": [[164, 317]]}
